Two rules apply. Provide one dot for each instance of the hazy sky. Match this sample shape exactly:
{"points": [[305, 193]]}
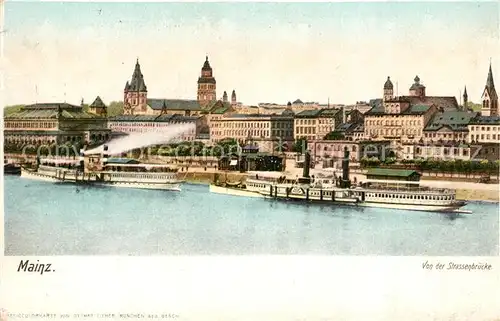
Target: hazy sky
{"points": [[267, 52]]}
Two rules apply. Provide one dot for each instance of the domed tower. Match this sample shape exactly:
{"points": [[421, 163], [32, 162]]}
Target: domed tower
{"points": [[417, 89], [224, 97], [233, 98], [388, 89], [135, 93], [206, 85]]}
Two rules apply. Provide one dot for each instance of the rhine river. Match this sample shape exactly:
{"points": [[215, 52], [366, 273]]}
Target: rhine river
{"points": [[48, 219]]}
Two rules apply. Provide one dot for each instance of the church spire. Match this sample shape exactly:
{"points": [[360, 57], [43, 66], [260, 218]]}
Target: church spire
{"points": [[465, 99], [490, 96], [137, 83], [489, 82]]}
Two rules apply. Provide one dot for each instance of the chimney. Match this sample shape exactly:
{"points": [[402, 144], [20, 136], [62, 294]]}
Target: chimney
{"points": [[105, 155], [307, 160], [346, 183], [343, 115], [82, 159]]}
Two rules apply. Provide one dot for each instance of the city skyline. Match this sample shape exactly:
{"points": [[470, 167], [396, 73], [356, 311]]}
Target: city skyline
{"points": [[267, 52]]}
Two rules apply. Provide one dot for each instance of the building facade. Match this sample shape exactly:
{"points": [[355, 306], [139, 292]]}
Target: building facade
{"points": [[246, 127], [316, 124], [55, 123], [333, 150], [484, 129], [404, 118], [449, 126], [130, 124]]}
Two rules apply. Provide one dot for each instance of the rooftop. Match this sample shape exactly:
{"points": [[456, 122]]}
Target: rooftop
{"points": [[455, 120], [486, 120], [174, 104], [153, 118], [121, 161]]}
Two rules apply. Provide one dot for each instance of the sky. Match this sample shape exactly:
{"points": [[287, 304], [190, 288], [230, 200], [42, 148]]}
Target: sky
{"points": [[266, 52]]}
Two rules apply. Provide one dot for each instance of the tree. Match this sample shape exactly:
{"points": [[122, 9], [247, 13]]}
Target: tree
{"points": [[299, 145], [115, 108], [12, 109]]}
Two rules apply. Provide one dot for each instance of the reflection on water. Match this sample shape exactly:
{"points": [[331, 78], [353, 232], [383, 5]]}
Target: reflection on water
{"points": [[60, 219]]}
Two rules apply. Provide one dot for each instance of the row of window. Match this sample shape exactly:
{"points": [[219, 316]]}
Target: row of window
{"points": [[10, 124], [394, 122], [246, 133], [305, 122], [146, 124], [146, 176], [483, 136], [305, 130], [446, 135], [394, 132], [336, 147], [412, 196], [485, 128], [437, 151]]}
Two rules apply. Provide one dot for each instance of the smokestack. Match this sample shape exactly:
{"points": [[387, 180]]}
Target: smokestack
{"points": [[105, 155], [346, 183], [82, 159], [307, 160]]}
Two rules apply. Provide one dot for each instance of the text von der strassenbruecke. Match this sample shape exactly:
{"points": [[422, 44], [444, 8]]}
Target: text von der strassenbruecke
{"points": [[479, 266]]}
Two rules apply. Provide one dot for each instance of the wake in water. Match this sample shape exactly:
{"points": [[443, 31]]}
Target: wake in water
{"points": [[139, 140]]}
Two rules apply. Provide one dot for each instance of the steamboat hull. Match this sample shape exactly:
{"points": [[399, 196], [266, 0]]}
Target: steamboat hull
{"points": [[234, 191], [91, 180], [139, 185], [343, 200]]}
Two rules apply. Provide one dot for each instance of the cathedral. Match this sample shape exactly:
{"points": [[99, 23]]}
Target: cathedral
{"points": [[136, 101]]}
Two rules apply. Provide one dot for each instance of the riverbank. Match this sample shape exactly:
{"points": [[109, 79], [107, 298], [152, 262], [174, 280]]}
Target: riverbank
{"points": [[468, 191]]}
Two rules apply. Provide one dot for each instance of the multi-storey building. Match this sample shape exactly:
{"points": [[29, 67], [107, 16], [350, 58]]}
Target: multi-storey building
{"points": [[449, 150], [245, 127], [56, 123], [130, 124], [449, 126], [297, 106], [404, 118], [333, 150], [315, 124], [484, 129]]}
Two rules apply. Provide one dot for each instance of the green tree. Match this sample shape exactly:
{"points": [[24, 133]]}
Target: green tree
{"points": [[12, 109], [299, 145], [115, 108]]}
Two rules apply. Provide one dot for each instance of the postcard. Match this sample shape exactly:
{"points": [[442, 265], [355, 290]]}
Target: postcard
{"points": [[243, 161]]}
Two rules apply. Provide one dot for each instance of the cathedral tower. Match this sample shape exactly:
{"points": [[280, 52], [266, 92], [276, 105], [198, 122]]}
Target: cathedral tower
{"points": [[490, 97], [135, 93], [206, 85]]}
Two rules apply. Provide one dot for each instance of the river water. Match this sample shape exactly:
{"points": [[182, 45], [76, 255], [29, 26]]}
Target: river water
{"points": [[52, 219]]}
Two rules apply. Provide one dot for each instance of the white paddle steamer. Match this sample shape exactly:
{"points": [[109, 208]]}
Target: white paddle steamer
{"points": [[103, 171]]}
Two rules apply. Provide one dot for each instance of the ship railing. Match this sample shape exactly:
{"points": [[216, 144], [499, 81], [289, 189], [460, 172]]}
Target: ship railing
{"points": [[428, 190]]}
